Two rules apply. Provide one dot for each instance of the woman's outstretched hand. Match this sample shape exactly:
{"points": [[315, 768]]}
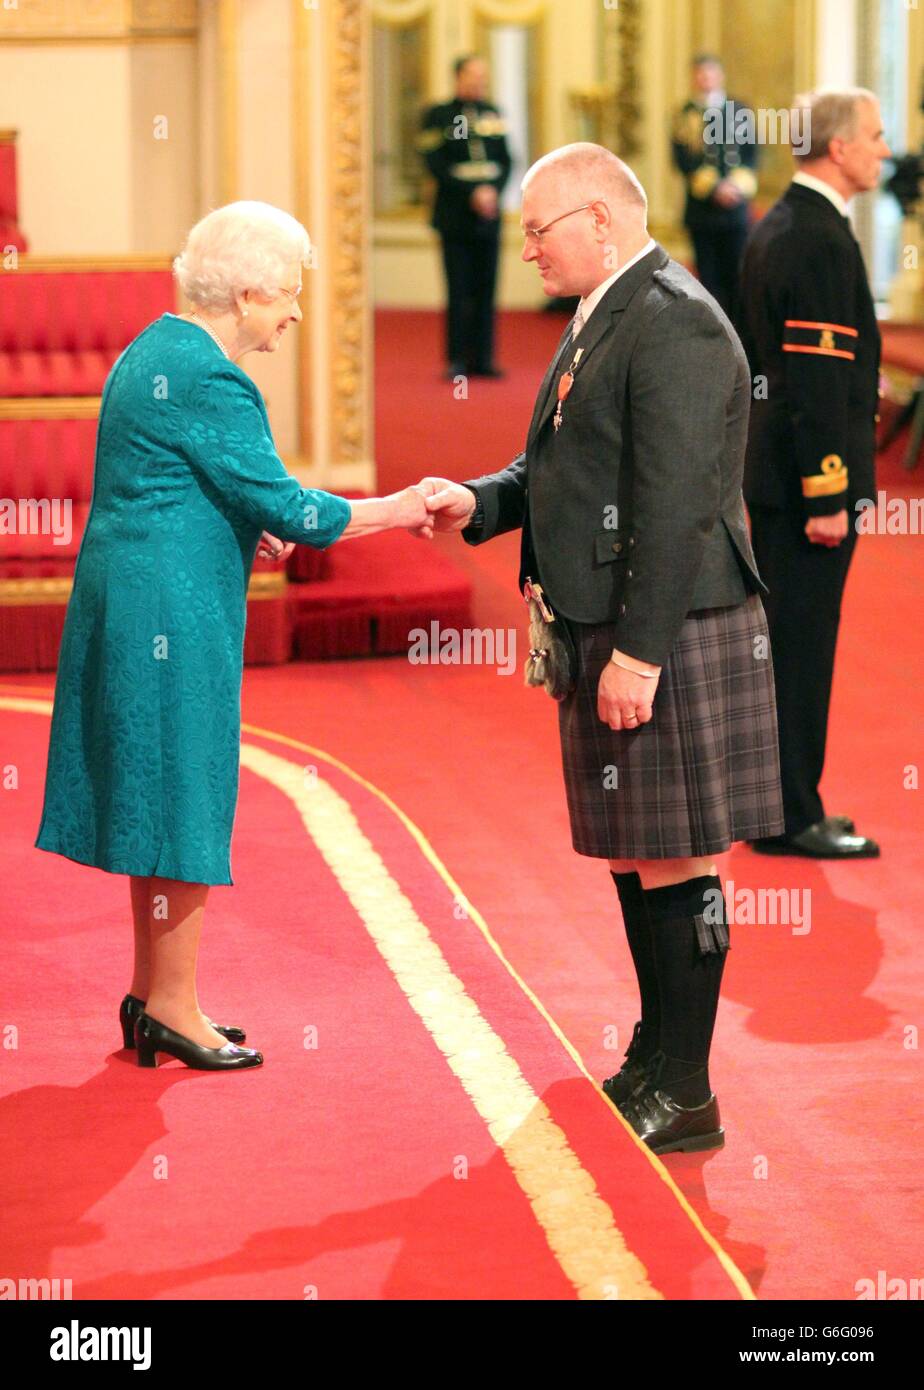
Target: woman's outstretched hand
{"points": [[411, 511]]}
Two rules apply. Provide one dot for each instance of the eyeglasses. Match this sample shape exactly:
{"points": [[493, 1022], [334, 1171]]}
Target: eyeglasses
{"points": [[537, 233]]}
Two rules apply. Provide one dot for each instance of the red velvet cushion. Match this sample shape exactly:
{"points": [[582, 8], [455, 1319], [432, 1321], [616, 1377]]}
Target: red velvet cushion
{"points": [[8, 212], [47, 458], [80, 310], [35, 557], [12, 235], [55, 373]]}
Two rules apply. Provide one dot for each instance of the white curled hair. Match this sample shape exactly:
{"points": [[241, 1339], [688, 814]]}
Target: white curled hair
{"points": [[241, 246]]}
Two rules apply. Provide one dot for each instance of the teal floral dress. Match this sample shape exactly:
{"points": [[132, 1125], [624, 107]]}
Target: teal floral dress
{"points": [[144, 749]]}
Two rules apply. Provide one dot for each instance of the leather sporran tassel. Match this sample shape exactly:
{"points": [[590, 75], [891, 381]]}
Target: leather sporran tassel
{"points": [[550, 662]]}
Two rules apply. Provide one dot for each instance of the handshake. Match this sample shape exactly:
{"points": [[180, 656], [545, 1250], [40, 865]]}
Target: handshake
{"points": [[433, 504]]}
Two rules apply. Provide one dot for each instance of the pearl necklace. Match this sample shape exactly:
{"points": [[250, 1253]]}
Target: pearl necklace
{"points": [[211, 332]]}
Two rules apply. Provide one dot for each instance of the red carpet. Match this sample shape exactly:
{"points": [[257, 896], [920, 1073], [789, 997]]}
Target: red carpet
{"points": [[341, 1167], [354, 1164]]}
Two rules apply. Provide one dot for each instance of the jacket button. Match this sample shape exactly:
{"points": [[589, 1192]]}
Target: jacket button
{"points": [[628, 574], [877, 418], [622, 609], [617, 546], [632, 540]]}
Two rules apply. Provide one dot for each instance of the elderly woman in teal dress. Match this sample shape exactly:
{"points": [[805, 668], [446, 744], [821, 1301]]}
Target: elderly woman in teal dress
{"points": [[143, 758]]}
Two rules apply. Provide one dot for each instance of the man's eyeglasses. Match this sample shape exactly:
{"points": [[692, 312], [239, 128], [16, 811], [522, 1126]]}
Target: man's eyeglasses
{"points": [[537, 233]]}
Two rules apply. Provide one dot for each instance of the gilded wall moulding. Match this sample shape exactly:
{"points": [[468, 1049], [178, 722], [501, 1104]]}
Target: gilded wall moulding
{"points": [[348, 234]]}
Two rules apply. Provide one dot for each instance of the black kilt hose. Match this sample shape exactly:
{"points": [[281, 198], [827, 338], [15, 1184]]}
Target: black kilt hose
{"points": [[704, 771]]}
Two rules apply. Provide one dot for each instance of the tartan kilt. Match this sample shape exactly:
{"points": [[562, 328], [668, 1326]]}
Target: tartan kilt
{"points": [[704, 771]]}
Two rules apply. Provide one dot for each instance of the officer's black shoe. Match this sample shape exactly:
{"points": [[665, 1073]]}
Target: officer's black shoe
{"points": [[826, 839], [667, 1127], [491, 371], [634, 1072]]}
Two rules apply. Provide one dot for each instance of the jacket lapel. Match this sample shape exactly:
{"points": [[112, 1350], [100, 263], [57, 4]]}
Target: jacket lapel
{"points": [[601, 321], [551, 370]]}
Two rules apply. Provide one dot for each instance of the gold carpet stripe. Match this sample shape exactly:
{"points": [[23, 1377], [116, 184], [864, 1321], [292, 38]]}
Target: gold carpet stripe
{"points": [[577, 1223], [27, 706], [721, 1254], [725, 1260]]}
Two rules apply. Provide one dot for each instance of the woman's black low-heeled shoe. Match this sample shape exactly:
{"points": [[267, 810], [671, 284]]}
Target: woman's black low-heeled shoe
{"points": [[152, 1037], [132, 1007]]}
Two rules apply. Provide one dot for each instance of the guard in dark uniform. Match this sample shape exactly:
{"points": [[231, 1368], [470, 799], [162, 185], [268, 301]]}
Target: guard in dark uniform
{"points": [[809, 328], [465, 147], [715, 149]]}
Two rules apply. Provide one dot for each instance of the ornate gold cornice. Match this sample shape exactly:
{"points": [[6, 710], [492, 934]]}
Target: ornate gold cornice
{"points": [[267, 584], [49, 407], [18, 592], [83, 264], [22, 591]]}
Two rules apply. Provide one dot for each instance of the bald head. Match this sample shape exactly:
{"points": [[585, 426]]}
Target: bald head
{"points": [[584, 215], [583, 172]]}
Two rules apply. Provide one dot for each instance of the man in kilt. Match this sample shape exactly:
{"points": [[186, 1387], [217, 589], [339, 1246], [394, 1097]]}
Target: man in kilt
{"points": [[628, 494]]}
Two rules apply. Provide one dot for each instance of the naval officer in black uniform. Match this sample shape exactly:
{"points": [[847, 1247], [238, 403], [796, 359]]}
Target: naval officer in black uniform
{"points": [[809, 328], [464, 144], [715, 149]]}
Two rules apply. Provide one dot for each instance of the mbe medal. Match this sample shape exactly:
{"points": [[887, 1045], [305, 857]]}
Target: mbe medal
{"points": [[565, 383]]}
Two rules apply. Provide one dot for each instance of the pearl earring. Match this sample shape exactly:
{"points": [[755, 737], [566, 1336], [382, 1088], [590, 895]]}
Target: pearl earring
{"points": [[244, 313]]}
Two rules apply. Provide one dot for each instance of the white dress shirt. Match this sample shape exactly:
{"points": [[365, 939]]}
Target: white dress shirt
{"points": [[825, 189]]}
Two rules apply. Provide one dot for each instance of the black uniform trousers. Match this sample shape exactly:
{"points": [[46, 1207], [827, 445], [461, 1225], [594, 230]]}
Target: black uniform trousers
{"points": [[718, 253], [471, 275], [806, 583]]}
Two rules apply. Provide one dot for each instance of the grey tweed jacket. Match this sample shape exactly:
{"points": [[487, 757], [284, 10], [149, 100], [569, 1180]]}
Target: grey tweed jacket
{"points": [[632, 510]]}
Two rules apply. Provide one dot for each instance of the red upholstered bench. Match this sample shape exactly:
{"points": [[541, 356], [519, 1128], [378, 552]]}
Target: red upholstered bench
{"points": [[11, 234], [64, 323], [380, 588], [49, 459]]}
